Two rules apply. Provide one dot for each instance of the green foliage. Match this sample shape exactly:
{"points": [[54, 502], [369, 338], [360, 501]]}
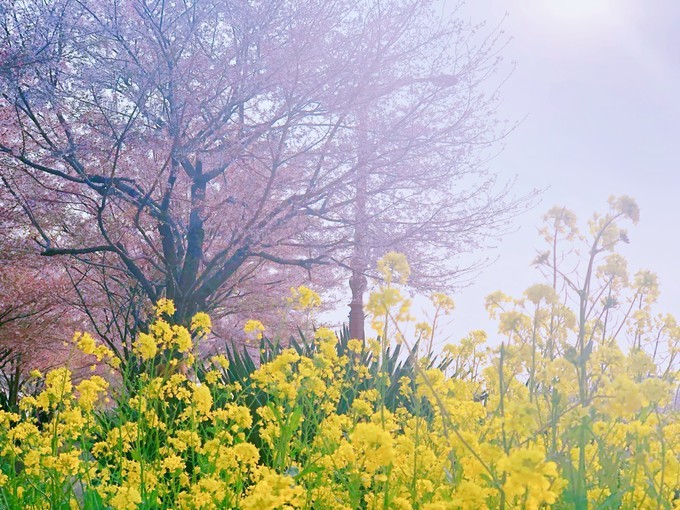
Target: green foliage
{"points": [[558, 415], [395, 366]]}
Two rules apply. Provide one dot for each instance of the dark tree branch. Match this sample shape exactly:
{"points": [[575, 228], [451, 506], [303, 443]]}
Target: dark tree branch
{"points": [[51, 252]]}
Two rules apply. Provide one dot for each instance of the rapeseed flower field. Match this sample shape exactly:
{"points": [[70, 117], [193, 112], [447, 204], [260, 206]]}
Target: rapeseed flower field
{"points": [[313, 429], [557, 415]]}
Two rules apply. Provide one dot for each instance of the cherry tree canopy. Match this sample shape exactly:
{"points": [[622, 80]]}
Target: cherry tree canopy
{"points": [[207, 150]]}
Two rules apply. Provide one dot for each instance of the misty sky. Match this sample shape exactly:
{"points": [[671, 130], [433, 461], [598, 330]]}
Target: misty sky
{"points": [[598, 82], [597, 90]]}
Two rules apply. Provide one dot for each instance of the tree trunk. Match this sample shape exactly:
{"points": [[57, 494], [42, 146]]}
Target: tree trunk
{"points": [[357, 284]]}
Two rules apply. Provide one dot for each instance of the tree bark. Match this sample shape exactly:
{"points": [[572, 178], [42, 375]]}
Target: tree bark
{"points": [[357, 284]]}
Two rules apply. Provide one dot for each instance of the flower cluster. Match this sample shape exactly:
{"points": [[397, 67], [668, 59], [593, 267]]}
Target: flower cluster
{"points": [[318, 428]]}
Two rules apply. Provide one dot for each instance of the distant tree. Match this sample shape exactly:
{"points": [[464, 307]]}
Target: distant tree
{"points": [[215, 152], [422, 123], [35, 316]]}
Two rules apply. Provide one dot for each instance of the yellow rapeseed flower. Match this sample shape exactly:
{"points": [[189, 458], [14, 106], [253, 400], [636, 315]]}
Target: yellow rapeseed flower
{"points": [[90, 390], [126, 498], [254, 326], [393, 266], [373, 444], [84, 342], [304, 298], [221, 361], [172, 463], [182, 339], [201, 323], [355, 345], [146, 346], [273, 491], [202, 399], [165, 307]]}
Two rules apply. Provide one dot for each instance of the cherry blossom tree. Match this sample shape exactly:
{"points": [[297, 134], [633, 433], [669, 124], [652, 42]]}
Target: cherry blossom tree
{"points": [[423, 119], [35, 316], [216, 152]]}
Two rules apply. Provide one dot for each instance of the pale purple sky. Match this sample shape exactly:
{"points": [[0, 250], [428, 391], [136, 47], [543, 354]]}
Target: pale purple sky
{"points": [[599, 84]]}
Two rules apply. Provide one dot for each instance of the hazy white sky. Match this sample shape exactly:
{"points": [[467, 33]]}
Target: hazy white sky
{"points": [[599, 84], [597, 88]]}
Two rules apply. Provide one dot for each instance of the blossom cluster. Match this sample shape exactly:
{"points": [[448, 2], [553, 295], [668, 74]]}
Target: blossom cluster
{"points": [[314, 429]]}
